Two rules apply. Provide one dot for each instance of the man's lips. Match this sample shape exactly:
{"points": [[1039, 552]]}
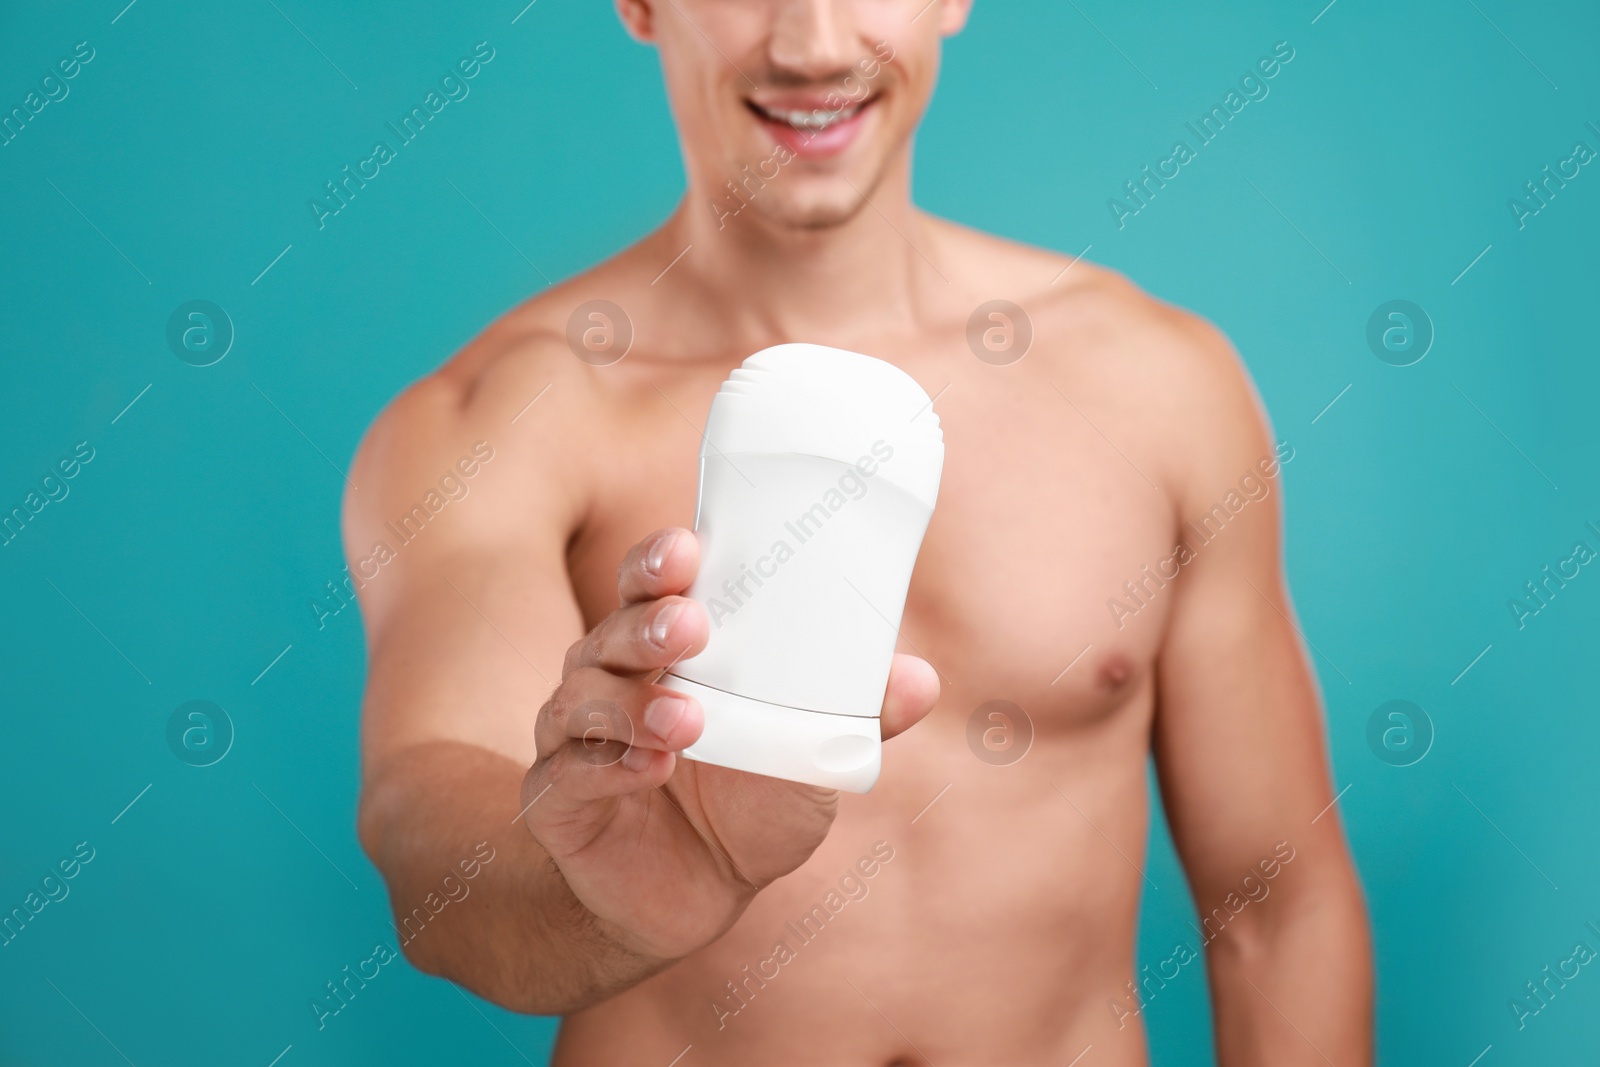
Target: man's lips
{"points": [[808, 129]]}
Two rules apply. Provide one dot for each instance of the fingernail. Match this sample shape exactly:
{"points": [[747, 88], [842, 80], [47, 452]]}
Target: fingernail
{"points": [[636, 759], [657, 556], [662, 626], [663, 714]]}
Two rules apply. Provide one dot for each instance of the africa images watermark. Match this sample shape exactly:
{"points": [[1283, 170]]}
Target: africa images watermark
{"points": [[453, 85], [1535, 998], [1253, 889], [1534, 598], [1142, 592], [53, 485], [1140, 191], [454, 890], [852, 887], [53, 889], [1538, 193], [851, 485], [749, 185], [452, 486], [54, 88]]}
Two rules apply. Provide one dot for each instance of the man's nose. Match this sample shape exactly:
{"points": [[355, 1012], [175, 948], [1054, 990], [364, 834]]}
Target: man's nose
{"points": [[813, 39]]}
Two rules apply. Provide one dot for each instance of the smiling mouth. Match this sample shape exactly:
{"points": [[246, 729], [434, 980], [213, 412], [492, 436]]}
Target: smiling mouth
{"points": [[809, 121]]}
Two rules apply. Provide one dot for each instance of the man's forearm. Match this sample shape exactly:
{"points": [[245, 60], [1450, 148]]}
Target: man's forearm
{"points": [[1292, 984], [512, 931]]}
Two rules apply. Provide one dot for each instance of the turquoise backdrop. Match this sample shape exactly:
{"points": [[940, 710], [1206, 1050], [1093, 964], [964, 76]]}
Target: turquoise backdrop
{"points": [[178, 561]]}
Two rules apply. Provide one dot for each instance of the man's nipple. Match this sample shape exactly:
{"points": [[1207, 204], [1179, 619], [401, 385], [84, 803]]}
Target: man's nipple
{"points": [[1114, 671]]}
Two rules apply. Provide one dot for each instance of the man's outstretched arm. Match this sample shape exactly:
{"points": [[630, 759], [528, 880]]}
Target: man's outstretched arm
{"points": [[492, 713], [467, 625], [1240, 754]]}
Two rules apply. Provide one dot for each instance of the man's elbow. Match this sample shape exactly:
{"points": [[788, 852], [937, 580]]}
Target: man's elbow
{"points": [[1324, 914], [374, 813], [492, 981]]}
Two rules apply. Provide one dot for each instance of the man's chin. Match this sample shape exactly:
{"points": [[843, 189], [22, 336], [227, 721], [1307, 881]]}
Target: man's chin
{"points": [[812, 214]]}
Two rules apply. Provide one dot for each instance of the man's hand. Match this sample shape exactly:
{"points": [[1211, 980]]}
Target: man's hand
{"points": [[665, 852]]}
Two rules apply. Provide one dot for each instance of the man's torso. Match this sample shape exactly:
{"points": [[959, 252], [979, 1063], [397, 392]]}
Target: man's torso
{"points": [[998, 921]]}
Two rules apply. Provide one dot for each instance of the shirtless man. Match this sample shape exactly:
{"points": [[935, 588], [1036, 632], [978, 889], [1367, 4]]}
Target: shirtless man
{"points": [[1104, 556]]}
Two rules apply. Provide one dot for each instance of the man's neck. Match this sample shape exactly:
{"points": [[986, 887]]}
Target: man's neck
{"points": [[872, 273]]}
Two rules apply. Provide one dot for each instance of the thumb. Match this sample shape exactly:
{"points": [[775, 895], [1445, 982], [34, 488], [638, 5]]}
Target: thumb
{"points": [[912, 692]]}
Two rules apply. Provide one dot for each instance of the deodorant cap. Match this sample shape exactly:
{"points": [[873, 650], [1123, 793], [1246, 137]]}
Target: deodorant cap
{"points": [[818, 401]]}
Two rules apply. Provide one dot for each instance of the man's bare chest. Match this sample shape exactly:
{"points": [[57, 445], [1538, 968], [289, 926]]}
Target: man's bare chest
{"points": [[1042, 524]]}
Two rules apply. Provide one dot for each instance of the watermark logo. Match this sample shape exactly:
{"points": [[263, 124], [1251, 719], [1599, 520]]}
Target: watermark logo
{"points": [[52, 488], [52, 889], [748, 184], [853, 484], [852, 886], [1551, 579], [199, 733], [52, 90], [999, 332], [605, 725], [1538, 992], [200, 333], [1399, 733], [343, 988], [1140, 191], [599, 332], [1539, 191], [999, 733], [451, 486], [1399, 333], [1253, 888], [1143, 589], [454, 86]]}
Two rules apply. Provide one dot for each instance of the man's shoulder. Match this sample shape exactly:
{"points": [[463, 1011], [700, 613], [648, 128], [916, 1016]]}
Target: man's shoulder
{"points": [[1169, 377], [551, 342], [1090, 315], [518, 389], [558, 338], [480, 390]]}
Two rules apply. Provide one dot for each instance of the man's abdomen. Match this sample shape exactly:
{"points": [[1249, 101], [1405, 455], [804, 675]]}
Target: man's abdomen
{"points": [[962, 913]]}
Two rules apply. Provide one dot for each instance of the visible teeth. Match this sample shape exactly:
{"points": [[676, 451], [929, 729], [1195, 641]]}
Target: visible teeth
{"points": [[818, 119]]}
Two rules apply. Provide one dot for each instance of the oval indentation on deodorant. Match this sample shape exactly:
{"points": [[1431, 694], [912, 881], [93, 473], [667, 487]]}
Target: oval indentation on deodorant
{"points": [[840, 754]]}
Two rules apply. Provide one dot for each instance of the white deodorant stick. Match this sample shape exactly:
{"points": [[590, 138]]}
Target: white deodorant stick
{"points": [[818, 474]]}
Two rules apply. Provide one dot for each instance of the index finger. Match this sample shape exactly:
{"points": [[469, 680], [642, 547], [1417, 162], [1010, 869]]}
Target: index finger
{"points": [[662, 564]]}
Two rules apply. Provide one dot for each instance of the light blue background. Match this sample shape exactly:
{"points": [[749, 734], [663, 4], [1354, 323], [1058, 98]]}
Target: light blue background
{"points": [[207, 520]]}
